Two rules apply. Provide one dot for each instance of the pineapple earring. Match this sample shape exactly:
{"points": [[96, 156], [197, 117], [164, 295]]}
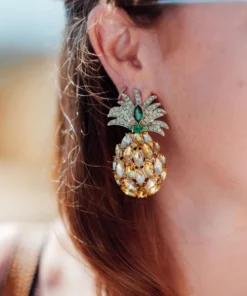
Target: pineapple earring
{"points": [[138, 166]]}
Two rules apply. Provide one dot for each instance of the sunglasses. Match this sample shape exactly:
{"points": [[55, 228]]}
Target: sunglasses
{"points": [[157, 2]]}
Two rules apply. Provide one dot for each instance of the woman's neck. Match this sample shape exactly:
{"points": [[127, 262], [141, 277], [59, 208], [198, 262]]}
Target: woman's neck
{"points": [[201, 201], [204, 212]]}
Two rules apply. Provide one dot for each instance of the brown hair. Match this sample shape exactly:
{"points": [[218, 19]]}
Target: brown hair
{"points": [[118, 236]]}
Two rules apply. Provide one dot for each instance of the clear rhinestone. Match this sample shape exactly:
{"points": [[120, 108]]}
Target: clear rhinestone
{"points": [[117, 150], [147, 137], [130, 171], [157, 147], [117, 179], [129, 188], [127, 153], [114, 164], [162, 159], [158, 166], [148, 169], [140, 177], [154, 189], [147, 151], [130, 184], [151, 183], [126, 141], [138, 97], [137, 138], [138, 158], [120, 169], [163, 174]]}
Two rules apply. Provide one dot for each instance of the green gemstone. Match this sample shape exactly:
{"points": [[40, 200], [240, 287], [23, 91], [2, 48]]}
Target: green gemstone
{"points": [[138, 113], [137, 128]]}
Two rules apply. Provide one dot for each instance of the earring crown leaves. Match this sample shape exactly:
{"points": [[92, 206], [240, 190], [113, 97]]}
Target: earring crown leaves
{"points": [[138, 117]]}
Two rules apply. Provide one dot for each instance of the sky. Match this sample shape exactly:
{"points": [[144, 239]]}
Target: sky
{"points": [[31, 26]]}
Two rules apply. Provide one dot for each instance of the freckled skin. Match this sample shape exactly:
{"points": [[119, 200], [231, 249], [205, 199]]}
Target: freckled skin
{"points": [[194, 60], [202, 82]]}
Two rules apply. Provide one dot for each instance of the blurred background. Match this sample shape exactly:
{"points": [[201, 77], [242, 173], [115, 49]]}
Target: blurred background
{"points": [[30, 40]]}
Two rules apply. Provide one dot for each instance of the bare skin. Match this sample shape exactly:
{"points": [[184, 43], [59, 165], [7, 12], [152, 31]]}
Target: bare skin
{"points": [[194, 59]]}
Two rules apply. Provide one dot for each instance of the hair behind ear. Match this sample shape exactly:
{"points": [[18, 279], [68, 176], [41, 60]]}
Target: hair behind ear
{"points": [[119, 237]]}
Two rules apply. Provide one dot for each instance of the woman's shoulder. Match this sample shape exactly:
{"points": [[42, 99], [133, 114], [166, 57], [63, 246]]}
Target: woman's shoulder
{"points": [[8, 237], [61, 270]]}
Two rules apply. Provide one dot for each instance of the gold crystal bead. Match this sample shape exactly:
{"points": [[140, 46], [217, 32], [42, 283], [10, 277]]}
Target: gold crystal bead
{"points": [[157, 147], [162, 159], [141, 193], [126, 141], [147, 138], [151, 183], [148, 169], [130, 171], [140, 177], [147, 151], [117, 150], [154, 189], [151, 144], [138, 158], [117, 179], [129, 188], [127, 153], [158, 166], [137, 138], [163, 174], [120, 169]]}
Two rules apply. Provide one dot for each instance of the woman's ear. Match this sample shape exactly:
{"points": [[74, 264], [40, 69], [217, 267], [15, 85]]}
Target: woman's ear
{"points": [[122, 46], [114, 38]]}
